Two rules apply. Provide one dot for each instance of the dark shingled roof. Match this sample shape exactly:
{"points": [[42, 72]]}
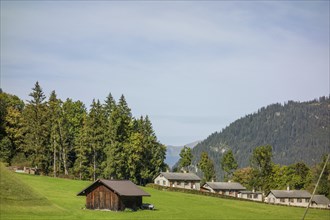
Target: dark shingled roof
{"points": [[225, 186], [120, 187], [180, 176], [321, 199], [290, 193]]}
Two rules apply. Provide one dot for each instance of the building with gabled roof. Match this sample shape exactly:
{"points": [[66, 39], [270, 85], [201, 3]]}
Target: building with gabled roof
{"points": [[178, 180], [288, 197], [224, 188], [113, 195], [250, 195], [320, 201]]}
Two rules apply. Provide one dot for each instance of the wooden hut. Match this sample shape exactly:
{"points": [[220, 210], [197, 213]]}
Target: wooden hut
{"points": [[113, 195]]}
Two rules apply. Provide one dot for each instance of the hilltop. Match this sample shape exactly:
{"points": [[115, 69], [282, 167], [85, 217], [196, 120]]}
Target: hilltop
{"points": [[297, 131]]}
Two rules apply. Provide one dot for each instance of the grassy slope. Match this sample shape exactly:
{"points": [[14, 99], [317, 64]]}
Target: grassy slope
{"points": [[61, 202]]}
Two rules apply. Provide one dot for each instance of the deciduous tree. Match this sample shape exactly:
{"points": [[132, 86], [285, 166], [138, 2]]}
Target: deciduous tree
{"points": [[207, 167], [228, 164], [185, 158]]}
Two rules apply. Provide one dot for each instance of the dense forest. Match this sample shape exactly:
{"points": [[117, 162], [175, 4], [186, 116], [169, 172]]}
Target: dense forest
{"points": [[297, 132], [63, 138]]}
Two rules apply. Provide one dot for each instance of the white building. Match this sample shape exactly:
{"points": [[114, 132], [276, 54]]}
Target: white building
{"points": [[320, 201], [178, 180], [288, 197], [224, 188], [250, 195]]}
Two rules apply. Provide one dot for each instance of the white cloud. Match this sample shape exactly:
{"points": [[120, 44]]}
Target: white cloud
{"points": [[169, 58]]}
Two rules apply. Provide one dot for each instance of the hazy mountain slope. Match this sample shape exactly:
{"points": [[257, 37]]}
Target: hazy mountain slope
{"points": [[172, 152], [297, 132]]}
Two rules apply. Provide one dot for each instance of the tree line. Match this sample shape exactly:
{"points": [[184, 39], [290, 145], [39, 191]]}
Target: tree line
{"points": [[262, 173], [64, 138]]}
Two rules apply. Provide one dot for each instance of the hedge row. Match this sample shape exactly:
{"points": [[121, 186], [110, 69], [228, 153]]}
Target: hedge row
{"points": [[191, 191]]}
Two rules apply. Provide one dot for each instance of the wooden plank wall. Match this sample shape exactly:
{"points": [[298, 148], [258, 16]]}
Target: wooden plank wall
{"points": [[103, 198]]}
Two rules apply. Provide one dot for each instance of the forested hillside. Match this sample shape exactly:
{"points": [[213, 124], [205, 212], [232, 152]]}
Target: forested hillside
{"points": [[63, 138], [298, 132]]}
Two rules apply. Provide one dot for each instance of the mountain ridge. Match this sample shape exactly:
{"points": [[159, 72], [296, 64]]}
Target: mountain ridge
{"points": [[172, 152], [297, 131]]}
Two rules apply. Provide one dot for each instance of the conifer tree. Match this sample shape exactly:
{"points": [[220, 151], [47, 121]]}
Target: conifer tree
{"points": [[96, 137], [54, 109], [73, 112], [82, 151], [36, 138], [117, 148], [153, 153], [109, 105]]}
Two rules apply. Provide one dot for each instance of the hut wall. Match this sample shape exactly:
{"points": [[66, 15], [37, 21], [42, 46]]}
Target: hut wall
{"points": [[103, 198]]}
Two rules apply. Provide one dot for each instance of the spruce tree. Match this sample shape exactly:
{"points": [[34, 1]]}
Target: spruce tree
{"points": [[82, 151], [96, 137], [54, 110], [118, 145], [73, 113], [153, 154], [36, 138]]}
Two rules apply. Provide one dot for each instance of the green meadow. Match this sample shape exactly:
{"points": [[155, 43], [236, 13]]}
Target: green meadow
{"points": [[38, 197]]}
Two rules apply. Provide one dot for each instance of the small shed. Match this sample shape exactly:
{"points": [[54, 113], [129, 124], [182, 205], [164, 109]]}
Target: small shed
{"points": [[113, 195]]}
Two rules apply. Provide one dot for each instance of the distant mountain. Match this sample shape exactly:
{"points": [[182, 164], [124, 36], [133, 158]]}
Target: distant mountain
{"points": [[298, 132], [172, 152]]}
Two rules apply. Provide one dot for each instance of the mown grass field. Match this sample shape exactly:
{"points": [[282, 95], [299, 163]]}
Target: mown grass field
{"points": [[37, 197]]}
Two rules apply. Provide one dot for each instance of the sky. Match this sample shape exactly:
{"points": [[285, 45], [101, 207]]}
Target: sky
{"points": [[192, 66]]}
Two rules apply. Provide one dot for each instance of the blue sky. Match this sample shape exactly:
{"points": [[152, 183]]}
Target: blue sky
{"points": [[192, 66]]}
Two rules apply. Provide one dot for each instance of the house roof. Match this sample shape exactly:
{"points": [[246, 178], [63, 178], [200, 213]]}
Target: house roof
{"points": [[225, 185], [120, 187], [250, 192], [180, 176], [290, 193], [321, 199]]}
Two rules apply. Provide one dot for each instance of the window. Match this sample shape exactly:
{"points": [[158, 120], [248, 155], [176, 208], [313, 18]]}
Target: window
{"points": [[299, 200], [307, 200], [164, 182], [282, 200], [158, 182], [249, 196], [255, 196], [186, 183], [291, 200]]}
